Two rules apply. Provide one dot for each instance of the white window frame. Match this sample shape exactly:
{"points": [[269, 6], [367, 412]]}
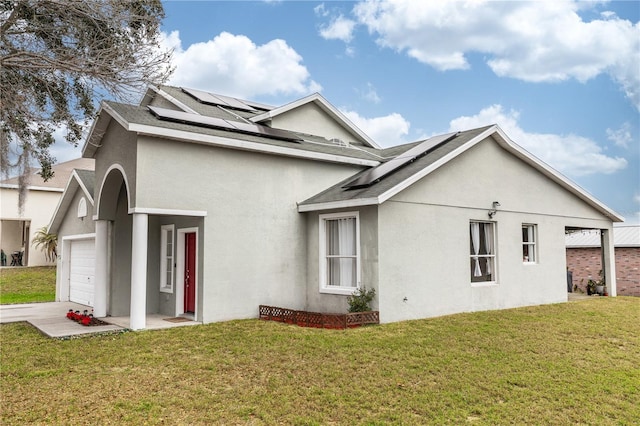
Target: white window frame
{"points": [[330, 289], [492, 256], [167, 258], [533, 245]]}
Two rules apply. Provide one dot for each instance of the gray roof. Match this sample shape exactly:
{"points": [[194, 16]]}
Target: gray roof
{"points": [[88, 178], [78, 179], [141, 115], [623, 236], [205, 109], [61, 173], [337, 193]]}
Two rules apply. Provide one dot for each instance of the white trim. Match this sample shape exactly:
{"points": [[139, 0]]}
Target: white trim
{"points": [[65, 200], [433, 166], [322, 249], [167, 212], [31, 188], [494, 256], [533, 243], [82, 208], [164, 256], [325, 106], [553, 174], [200, 138], [115, 166], [173, 100], [357, 202], [79, 237], [503, 140], [63, 289], [179, 276]]}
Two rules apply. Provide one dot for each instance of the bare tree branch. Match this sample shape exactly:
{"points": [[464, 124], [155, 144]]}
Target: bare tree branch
{"points": [[57, 56]]}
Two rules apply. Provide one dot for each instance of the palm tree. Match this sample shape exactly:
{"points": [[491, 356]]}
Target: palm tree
{"points": [[46, 242]]}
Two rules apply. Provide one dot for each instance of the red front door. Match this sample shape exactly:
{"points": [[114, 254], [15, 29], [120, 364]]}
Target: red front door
{"points": [[190, 272]]}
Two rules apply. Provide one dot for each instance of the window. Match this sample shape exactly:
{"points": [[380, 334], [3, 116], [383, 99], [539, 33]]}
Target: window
{"points": [[82, 208], [482, 252], [529, 243], [166, 258], [339, 253]]}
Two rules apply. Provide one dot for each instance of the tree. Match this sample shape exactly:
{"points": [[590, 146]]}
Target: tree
{"points": [[47, 243], [57, 57]]}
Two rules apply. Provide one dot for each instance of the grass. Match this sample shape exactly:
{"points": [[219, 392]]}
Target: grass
{"points": [[573, 363], [26, 285]]}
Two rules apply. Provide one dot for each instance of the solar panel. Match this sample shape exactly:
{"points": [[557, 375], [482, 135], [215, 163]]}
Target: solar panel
{"points": [[211, 99], [219, 123], [379, 172]]}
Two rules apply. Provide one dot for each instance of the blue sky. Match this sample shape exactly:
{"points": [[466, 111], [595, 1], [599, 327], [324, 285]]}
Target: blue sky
{"points": [[562, 78]]}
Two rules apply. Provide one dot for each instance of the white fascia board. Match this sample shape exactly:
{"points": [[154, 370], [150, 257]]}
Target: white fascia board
{"points": [[553, 174], [99, 125], [73, 184], [332, 205], [167, 212], [63, 204], [173, 100], [31, 188], [84, 188], [434, 166], [246, 145], [327, 107]]}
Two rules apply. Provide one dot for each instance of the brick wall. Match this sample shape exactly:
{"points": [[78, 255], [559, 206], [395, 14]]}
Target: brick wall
{"points": [[585, 263]]}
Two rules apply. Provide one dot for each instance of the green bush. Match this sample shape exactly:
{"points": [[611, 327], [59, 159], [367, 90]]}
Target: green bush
{"points": [[360, 299]]}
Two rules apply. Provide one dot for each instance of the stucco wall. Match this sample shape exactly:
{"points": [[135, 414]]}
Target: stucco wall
{"points": [[254, 246], [164, 302], [120, 289], [72, 224], [323, 302], [38, 210], [586, 263], [312, 119], [118, 148], [424, 237]]}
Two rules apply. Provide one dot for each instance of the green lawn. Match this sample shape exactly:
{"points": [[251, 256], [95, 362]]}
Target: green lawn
{"points": [[573, 363], [25, 285]]}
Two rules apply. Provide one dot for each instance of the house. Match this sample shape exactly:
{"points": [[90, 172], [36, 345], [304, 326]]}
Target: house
{"points": [[584, 257], [208, 206], [17, 228]]}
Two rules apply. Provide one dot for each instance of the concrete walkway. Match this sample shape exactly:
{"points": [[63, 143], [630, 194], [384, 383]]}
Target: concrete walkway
{"points": [[50, 318]]}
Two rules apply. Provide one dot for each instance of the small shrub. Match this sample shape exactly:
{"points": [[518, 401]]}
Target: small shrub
{"points": [[360, 299]]}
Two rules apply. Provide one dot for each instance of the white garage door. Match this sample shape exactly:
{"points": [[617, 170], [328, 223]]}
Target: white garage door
{"points": [[82, 262]]}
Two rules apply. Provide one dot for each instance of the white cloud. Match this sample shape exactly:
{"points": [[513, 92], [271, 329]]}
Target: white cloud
{"points": [[570, 154], [234, 65], [622, 136], [371, 95], [388, 130], [340, 28], [528, 40], [320, 10]]}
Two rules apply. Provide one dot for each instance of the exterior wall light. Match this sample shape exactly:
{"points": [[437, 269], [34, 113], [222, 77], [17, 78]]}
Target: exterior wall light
{"points": [[494, 210]]}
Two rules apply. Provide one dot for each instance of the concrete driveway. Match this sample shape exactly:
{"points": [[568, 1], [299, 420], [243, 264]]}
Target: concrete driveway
{"points": [[50, 318]]}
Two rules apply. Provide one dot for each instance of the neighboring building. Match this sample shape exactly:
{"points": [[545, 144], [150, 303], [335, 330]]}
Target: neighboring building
{"points": [[17, 228], [208, 206], [584, 258]]}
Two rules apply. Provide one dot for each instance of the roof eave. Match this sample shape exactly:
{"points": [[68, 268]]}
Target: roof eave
{"points": [[333, 205], [505, 142], [97, 131], [326, 106], [70, 189]]}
